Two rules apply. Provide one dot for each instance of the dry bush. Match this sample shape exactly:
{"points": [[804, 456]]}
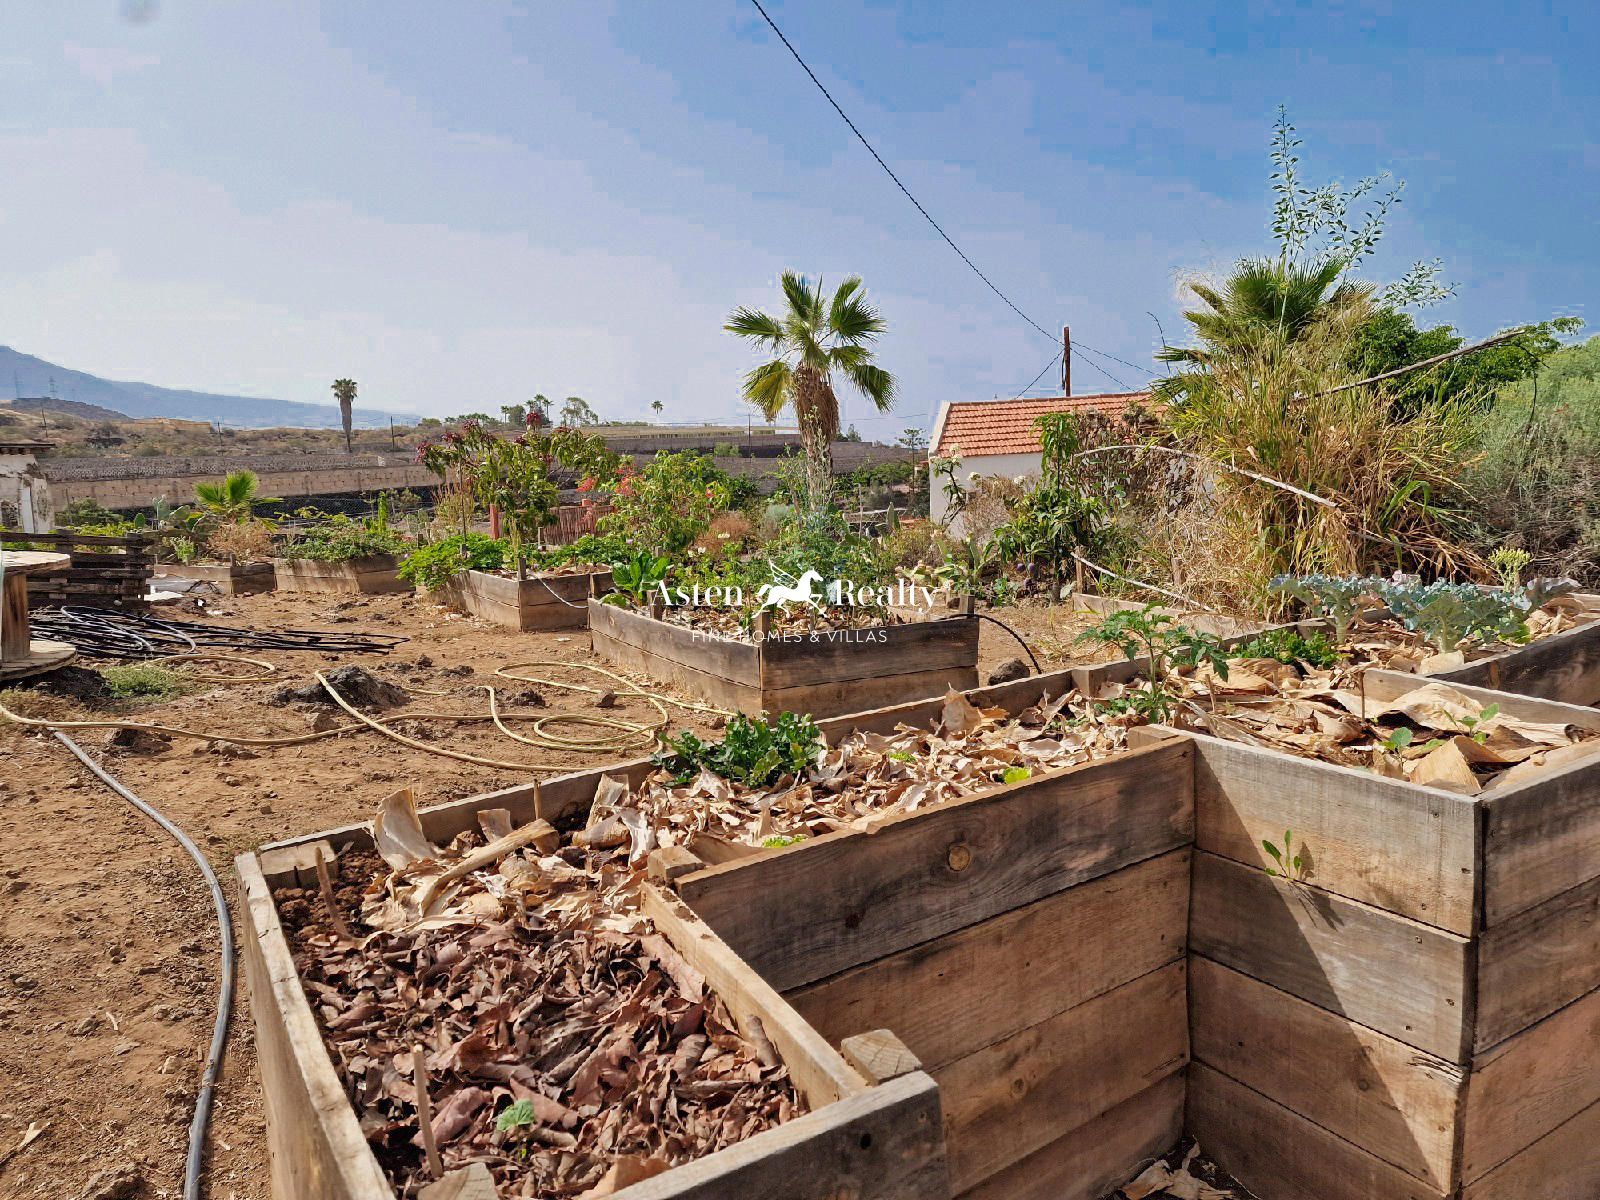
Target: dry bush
{"points": [[727, 534], [244, 541], [989, 501], [911, 544]]}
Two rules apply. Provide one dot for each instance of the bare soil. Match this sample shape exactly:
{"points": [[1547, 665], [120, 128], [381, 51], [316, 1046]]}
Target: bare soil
{"points": [[108, 950]]}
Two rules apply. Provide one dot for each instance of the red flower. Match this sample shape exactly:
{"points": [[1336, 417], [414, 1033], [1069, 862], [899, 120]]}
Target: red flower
{"points": [[587, 485]]}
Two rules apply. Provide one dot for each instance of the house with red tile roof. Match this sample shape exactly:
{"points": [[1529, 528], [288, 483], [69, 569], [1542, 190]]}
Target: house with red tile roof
{"points": [[999, 437]]}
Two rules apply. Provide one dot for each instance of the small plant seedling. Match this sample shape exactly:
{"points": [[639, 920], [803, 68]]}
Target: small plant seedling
{"points": [[778, 840], [1291, 863], [1016, 774], [904, 756], [514, 1116], [1399, 739]]}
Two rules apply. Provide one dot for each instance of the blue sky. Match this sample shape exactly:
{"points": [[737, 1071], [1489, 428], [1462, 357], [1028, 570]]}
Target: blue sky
{"points": [[462, 204]]}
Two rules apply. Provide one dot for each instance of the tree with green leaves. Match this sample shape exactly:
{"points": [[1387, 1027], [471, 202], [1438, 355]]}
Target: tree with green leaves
{"points": [[516, 415], [815, 339], [344, 391], [576, 411], [656, 406]]}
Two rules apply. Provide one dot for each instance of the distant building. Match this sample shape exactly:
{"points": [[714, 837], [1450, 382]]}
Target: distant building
{"points": [[998, 437], [24, 493]]}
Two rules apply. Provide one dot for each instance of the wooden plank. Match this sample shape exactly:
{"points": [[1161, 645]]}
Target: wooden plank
{"points": [[816, 1067], [1095, 1158], [842, 899], [1537, 962], [1565, 667], [314, 1142], [1562, 1165], [1373, 1091], [1279, 1155], [1541, 839], [1395, 975], [879, 1056], [1048, 956], [1408, 849], [883, 1143], [1530, 1084], [950, 643], [726, 658], [1045, 1081], [854, 695]]}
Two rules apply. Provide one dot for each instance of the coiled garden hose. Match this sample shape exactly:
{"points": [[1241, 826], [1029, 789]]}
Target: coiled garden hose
{"points": [[219, 1031]]}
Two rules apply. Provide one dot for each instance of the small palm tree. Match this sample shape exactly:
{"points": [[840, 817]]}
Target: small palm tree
{"points": [[234, 499], [813, 339], [657, 406], [344, 391]]}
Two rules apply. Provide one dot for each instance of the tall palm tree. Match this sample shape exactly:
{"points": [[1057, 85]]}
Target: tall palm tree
{"points": [[813, 339], [344, 391]]}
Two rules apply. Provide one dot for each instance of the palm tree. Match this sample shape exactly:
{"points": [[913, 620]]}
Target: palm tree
{"points": [[234, 499], [813, 339], [344, 391], [657, 406]]}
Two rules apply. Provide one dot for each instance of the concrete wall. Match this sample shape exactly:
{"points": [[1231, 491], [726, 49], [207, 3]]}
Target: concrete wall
{"points": [[981, 466]]}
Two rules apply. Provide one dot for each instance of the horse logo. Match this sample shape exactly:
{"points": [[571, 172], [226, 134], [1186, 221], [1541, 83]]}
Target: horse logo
{"points": [[801, 591]]}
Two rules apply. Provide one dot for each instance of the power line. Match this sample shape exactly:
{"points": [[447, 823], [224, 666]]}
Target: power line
{"points": [[890, 172], [1050, 362], [1091, 363], [939, 229]]}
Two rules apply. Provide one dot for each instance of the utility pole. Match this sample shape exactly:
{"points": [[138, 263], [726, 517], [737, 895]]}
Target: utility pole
{"points": [[1066, 360]]}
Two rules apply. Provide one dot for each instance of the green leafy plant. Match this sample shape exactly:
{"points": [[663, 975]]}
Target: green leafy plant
{"points": [[666, 505], [634, 579], [1509, 564], [1447, 614], [1339, 599], [778, 841], [1290, 646], [433, 565], [235, 498], [340, 539], [1291, 863], [756, 752], [515, 1116], [1399, 739], [1015, 774], [185, 549]]}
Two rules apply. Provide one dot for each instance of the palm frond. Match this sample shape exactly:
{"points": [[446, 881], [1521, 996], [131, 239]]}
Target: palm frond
{"points": [[873, 382], [797, 291], [769, 387], [756, 325]]}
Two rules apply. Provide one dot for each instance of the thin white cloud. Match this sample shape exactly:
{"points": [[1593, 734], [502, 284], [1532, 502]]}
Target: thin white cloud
{"points": [[104, 65]]}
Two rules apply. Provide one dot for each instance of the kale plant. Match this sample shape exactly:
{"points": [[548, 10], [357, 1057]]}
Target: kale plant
{"points": [[1289, 646], [1339, 599], [1447, 614]]}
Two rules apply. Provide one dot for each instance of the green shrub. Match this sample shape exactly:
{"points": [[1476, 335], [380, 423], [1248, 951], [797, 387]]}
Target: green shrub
{"points": [[433, 565], [339, 539]]}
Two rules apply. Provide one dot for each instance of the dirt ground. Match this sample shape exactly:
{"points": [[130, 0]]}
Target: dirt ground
{"points": [[108, 951]]}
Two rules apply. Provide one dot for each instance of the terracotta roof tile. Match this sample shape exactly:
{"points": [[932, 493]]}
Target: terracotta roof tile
{"points": [[977, 427]]}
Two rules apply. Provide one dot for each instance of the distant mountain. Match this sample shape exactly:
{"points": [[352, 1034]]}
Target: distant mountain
{"points": [[24, 375]]}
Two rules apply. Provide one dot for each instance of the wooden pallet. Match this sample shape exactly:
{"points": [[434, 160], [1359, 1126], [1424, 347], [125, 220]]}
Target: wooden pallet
{"points": [[104, 571]]}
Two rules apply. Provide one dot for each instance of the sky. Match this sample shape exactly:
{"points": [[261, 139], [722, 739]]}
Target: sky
{"points": [[460, 205]]}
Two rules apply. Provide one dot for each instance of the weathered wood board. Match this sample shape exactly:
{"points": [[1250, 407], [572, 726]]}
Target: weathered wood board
{"points": [[527, 605], [231, 579], [373, 575], [826, 674]]}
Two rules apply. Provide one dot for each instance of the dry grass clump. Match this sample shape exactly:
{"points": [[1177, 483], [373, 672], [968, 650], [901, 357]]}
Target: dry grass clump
{"points": [[242, 541]]}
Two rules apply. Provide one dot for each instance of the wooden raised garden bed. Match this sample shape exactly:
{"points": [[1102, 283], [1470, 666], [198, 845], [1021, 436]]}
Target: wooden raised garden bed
{"points": [[1027, 943], [834, 672], [872, 1132], [1419, 1018], [537, 602], [231, 579], [1564, 666], [377, 573]]}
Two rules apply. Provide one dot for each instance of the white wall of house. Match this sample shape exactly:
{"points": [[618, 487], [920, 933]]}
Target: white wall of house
{"points": [[24, 494], [1011, 466]]}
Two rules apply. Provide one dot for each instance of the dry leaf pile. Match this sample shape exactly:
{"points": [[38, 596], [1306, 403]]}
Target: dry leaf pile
{"points": [[1434, 735], [517, 967], [868, 776], [796, 621]]}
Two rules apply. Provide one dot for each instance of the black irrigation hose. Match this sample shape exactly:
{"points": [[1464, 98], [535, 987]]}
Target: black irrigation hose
{"points": [[1037, 669], [111, 633], [219, 1032]]}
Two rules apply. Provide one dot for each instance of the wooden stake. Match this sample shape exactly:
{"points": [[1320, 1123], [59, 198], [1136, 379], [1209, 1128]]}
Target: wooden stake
{"points": [[538, 800], [326, 884], [419, 1077]]}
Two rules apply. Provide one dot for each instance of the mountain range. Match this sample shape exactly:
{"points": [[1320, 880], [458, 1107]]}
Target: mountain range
{"points": [[23, 375]]}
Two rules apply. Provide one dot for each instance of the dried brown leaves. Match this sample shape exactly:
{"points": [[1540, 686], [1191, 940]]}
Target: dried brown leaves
{"points": [[528, 980]]}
